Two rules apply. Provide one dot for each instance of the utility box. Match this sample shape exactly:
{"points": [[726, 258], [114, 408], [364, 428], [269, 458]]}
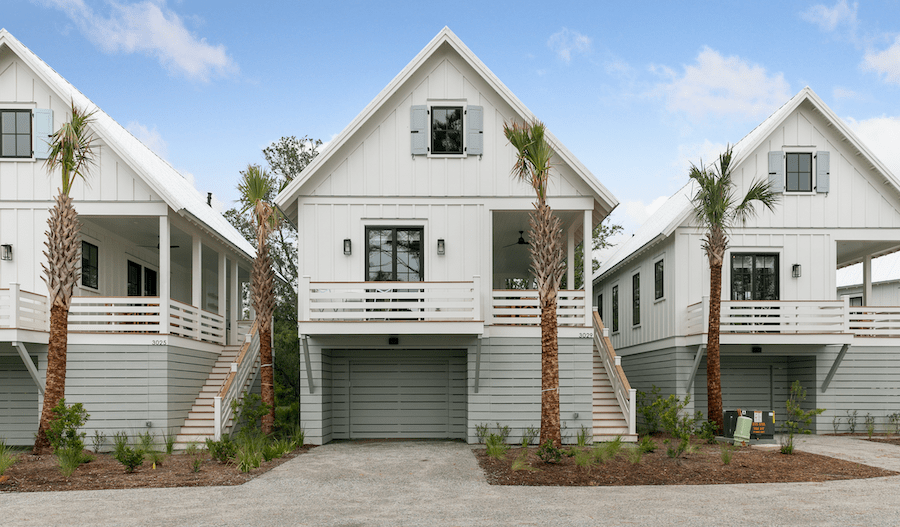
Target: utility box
{"points": [[762, 424]]}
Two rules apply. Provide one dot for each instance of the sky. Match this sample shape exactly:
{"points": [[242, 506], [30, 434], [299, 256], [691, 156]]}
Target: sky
{"points": [[637, 91]]}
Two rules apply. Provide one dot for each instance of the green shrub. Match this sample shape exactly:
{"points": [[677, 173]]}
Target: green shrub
{"points": [[870, 425], [635, 454], [196, 454], [286, 417], [725, 453], [798, 420], [583, 458], [647, 445], [521, 463], [530, 434], [649, 406], [98, 440], [894, 419], [851, 419], [223, 450], [169, 440], [609, 450], [69, 459], [495, 446], [120, 441], [67, 419], [585, 436], [548, 453], [130, 457], [708, 432], [250, 410], [249, 453], [481, 430], [7, 458]]}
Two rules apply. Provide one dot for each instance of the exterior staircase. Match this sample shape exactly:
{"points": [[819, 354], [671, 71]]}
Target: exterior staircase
{"points": [[613, 401], [200, 422]]}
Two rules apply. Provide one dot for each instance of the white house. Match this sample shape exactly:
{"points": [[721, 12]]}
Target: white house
{"points": [[780, 320], [160, 296], [412, 249]]}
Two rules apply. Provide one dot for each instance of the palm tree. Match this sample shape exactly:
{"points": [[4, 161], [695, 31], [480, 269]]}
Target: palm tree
{"points": [[71, 152], [717, 210], [533, 167], [255, 190]]}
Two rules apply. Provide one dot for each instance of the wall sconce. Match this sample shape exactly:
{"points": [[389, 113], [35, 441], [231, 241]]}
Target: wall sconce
{"points": [[6, 251], [347, 247], [441, 247], [795, 271]]}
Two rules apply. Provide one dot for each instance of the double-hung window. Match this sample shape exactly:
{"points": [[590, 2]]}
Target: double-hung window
{"points": [[446, 129], [658, 280], [90, 265], [15, 133], [636, 299], [799, 170]]}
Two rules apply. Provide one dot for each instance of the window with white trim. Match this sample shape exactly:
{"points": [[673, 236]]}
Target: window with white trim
{"points": [[659, 290], [90, 265], [800, 170], [447, 128]]}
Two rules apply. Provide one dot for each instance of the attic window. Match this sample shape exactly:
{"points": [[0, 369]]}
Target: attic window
{"points": [[446, 130], [15, 133], [799, 172]]}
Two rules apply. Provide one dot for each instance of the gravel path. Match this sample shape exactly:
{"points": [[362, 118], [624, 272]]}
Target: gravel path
{"points": [[439, 483]]}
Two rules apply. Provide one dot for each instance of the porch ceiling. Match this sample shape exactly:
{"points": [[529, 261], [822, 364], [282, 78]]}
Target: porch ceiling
{"points": [[513, 259], [850, 252], [144, 233]]}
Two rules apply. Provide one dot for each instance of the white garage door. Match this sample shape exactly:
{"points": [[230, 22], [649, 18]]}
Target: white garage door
{"points": [[415, 394]]}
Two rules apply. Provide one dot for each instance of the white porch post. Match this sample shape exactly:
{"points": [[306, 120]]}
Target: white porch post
{"points": [[588, 266], [867, 279], [222, 284], [570, 258], [165, 272], [196, 279], [235, 291]]}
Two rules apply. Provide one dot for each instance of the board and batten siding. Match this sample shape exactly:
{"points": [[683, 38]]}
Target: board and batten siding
{"points": [[509, 389], [19, 406], [883, 293]]}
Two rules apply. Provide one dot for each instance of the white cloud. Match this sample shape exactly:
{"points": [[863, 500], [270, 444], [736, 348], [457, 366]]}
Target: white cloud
{"points": [[722, 86], [885, 62], [880, 135], [638, 212], [831, 18], [566, 42], [148, 27], [845, 93], [150, 137], [706, 153]]}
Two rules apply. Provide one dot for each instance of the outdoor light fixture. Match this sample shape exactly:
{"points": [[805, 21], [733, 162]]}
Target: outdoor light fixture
{"points": [[795, 271], [441, 246], [6, 251], [347, 248]]}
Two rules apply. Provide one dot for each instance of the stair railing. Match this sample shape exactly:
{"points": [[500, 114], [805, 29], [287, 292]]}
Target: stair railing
{"points": [[234, 383], [612, 363]]}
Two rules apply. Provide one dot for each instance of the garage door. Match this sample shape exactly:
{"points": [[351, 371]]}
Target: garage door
{"points": [[408, 394], [19, 410]]}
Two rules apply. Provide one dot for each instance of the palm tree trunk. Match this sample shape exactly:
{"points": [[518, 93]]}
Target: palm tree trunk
{"points": [[547, 260], [56, 374], [264, 302], [713, 376], [266, 376]]}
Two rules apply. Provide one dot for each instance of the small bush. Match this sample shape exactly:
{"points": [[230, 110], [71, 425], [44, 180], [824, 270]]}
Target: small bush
{"points": [[609, 450], [132, 458], [155, 457], [708, 432], [583, 458], [196, 455], [481, 430], [286, 417], [726, 452], [120, 441], [67, 419], [635, 454], [98, 440], [836, 423], [585, 436], [69, 459], [169, 440], [521, 463], [647, 445], [894, 419], [798, 420], [851, 420], [678, 448], [145, 441], [529, 435], [496, 448], [7, 458], [251, 410], [870, 425], [223, 450], [649, 406], [548, 453]]}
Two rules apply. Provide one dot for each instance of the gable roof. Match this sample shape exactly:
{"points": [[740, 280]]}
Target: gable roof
{"points": [[159, 175], [678, 208], [287, 199]]}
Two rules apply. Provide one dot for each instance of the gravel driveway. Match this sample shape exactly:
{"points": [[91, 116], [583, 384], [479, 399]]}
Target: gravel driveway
{"points": [[439, 483]]}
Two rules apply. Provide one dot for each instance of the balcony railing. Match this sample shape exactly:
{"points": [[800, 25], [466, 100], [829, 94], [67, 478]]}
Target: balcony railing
{"points": [[23, 310], [796, 317], [517, 307], [143, 315], [390, 301]]}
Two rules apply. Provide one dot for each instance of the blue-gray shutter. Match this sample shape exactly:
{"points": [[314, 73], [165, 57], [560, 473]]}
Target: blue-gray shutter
{"points": [[418, 128], [43, 127], [776, 171], [823, 171], [474, 130]]}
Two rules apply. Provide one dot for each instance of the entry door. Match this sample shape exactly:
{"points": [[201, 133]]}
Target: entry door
{"points": [[394, 254], [754, 277]]}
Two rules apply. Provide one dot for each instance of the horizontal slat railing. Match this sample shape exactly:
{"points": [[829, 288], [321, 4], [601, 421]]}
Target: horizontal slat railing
{"points": [[233, 387], [23, 309], [521, 308], [99, 314], [778, 317], [194, 323], [625, 395], [866, 321], [404, 301]]}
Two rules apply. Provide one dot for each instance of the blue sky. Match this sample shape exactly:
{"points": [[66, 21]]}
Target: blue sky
{"points": [[636, 91]]}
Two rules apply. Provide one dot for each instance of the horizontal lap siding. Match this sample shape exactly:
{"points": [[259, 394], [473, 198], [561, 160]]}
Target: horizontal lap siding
{"points": [[510, 386], [867, 380], [19, 410]]}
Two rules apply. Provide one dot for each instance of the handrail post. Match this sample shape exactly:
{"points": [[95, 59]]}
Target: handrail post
{"points": [[304, 306], [704, 314], [14, 304], [476, 294], [217, 417]]}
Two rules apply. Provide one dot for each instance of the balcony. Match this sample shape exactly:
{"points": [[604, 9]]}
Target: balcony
{"points": [[24, 316], [806, 322]]}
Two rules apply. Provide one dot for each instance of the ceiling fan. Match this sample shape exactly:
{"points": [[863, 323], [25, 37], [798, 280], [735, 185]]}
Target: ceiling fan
{"points": [[520, 241]]}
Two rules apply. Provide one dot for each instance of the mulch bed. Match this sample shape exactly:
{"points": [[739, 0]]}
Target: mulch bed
{"points": [[41, 473], [702, 467], [889, 440]]}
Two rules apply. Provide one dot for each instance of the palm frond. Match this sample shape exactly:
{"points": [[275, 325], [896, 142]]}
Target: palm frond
{"points": [[71, 148]]}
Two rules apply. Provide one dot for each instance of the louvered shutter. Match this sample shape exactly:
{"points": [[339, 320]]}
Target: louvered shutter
{"points": [[418, 128], [823, 171], [474, 130], [43, 127], [776, 171]]}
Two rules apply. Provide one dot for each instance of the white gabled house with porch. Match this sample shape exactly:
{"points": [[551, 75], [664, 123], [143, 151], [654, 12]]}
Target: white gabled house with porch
{"points": [[415, 313], [158, 316], [781, 319]]}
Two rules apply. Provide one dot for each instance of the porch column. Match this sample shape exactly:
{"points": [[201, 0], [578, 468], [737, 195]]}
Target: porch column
{"points": [[587, 236], [196, 271], [235, 291], [867, 279], [165, 272], [222, 282], [570, 258]]}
